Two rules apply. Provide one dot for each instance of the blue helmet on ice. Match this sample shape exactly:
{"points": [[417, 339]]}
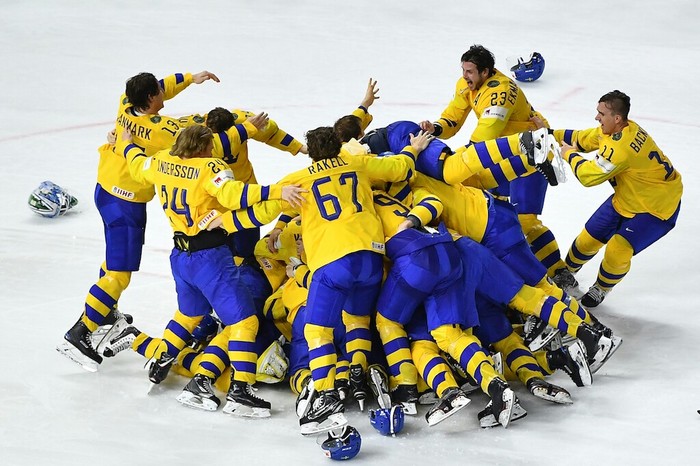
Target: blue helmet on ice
{"points": [[528, 68], [387, 421], [344, 445]]}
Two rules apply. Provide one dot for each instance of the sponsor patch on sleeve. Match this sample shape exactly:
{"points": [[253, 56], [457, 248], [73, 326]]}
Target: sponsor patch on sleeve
{"points": [[497, 112], [222, 177]]}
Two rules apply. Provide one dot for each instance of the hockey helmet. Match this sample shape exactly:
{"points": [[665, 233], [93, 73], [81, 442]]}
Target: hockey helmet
{"points": [[387, 421], [526, 69], [50, 200], [343, 444]]}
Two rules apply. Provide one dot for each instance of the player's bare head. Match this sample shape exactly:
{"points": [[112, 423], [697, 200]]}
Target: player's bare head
{"points": [[193, 141], [481, 57], [141, 88], [219, 119], [323, 143], [618, 102], [348, 127]]}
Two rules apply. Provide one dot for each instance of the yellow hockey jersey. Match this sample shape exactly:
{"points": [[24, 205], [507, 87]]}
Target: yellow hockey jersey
{"points": [[274, 264], [193, 191], [338, 216], [151, 133], [643, 178], [462, 208], [232, 147], [499, 104]]}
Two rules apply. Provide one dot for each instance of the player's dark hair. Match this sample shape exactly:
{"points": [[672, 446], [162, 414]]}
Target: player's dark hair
{"points": [[219, 119], [348, 127], [191, 141], [140, 88], [618, 102], [481, 57], [323, 143]]}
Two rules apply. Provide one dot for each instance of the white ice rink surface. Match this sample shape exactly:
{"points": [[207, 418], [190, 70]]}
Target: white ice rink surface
{"points": [[307, 63]]}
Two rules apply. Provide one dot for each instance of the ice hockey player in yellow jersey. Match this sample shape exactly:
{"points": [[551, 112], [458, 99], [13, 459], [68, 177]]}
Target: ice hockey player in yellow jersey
{"points": [[646, 199]]}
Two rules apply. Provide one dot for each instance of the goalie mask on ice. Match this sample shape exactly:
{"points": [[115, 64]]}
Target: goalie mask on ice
{"points": [[50, 200], [527, 69]]}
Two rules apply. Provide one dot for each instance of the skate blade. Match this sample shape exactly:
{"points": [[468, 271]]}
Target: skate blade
{"points": [[72, 353], [505, 415], [441, 416], [578, 354], [543, 339], [240, 410], [113, 331], [197, 402], [561, 397], [614, 346], [334, 421], [383, 398], [409, 408], [153, 388]]}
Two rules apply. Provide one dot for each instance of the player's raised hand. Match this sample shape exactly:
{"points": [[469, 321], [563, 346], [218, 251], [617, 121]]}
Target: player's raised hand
{"points": [[202, 76], [371, 94], [260, 120]]}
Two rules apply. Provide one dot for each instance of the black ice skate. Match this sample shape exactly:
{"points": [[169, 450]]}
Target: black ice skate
{"points": [[199, 394], [358, 385], [160, 368], [78, 347], [538, 333], [407, 396], [379, 384], [572, 360], [533, 145], [111, 326], [121, 342], [324, 413], [451, 401], [565, 280], [502, 407], [599, 348], [594, 296], [549, 392], [241, 401]]}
